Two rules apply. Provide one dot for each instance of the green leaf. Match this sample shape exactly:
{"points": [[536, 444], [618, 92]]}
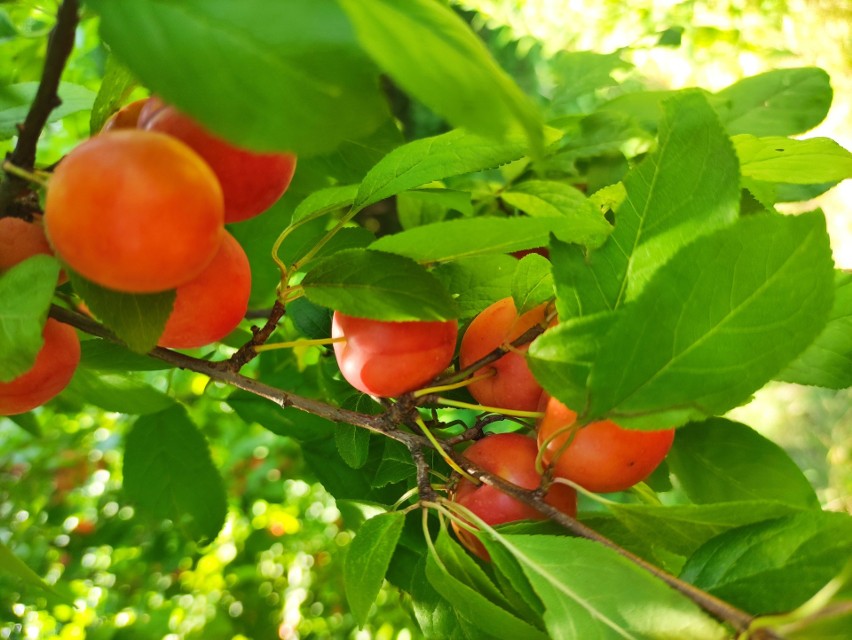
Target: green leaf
{"points": [[775, 565], [533, 283], [682, 529], [354, 157], [378, 285], [778, 159], [312, 321], [782, 102], [136, 319], [580, 73], [116, 392], [433, 55], [395, 466], [25, 294], [468, 237], [461, 565], [325, 201], [435, 616], [584, 587], [827, 362], [353, 444], [116, 85], [168, 473], [15, 100], [339, 479], [417, 207], [28, 422], [476, 283], [799, 192], [643, 106], [548, 198], [269, 76], [429, 159], [472, 604], [600, 134], [11, 564], [561, 358], [302, 240], [716, 323], [103, 355], [367, 561], [282, 421], [723, 461], [688, 187]]}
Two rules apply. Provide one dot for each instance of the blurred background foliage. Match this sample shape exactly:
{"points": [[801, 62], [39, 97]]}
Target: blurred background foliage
{"points": [[275, 570]]}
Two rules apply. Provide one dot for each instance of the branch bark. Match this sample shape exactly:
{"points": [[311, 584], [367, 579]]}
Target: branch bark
{"points": [[59, 46], [386, 424]]}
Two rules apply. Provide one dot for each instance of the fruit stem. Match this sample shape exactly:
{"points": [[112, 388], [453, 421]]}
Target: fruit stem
{"points": [[405, 496], [36, 177], [297, 343], [328, 236], [570, 430], [419, 421], [478, 407], [456, 385], [581, 489]]}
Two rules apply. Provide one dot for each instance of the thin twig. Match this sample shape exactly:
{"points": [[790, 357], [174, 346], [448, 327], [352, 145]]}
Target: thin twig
{"points": [[386, 424], [246, 353], [59, 47]]}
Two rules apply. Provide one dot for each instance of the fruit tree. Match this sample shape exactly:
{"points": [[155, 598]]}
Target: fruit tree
{"points": [[341, 291]]}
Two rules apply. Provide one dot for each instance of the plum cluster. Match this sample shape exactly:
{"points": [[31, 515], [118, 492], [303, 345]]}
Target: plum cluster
{"points": [[387, 359], [141, 208]]}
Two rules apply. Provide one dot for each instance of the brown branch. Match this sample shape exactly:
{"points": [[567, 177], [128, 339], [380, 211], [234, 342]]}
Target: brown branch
{"points": [[59, 46], [386, 424], [720, 609], [424, 484], [246, 353], [381, 423]]}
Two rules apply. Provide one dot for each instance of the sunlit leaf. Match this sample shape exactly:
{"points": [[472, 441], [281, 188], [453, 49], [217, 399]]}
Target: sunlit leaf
{"points": [[168, 473], [25, 294], [368, 559]]}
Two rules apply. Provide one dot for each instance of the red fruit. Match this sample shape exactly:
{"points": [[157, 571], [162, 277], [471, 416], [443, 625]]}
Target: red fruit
{"points": [[152, 107], [602, 457], [512, 457], [134, 211], [387, 359], [512, 386], [125, 118], [52, 371], [251, 182], [211, 305], [20, 240]]}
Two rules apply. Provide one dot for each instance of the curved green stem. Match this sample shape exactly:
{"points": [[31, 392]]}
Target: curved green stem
{"points": [[479, 407]]}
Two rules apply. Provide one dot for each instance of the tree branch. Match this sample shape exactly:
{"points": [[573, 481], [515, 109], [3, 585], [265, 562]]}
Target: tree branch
{"points": [[386, 424], [246, 353], [59, 47]]}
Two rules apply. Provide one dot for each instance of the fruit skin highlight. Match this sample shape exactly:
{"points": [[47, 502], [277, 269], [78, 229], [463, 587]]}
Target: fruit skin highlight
{"points": [[387, 359], [512, 386], [210, 306], [510, 456], [52, 371], [251, 182], [602, 457], [134, 211]]}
